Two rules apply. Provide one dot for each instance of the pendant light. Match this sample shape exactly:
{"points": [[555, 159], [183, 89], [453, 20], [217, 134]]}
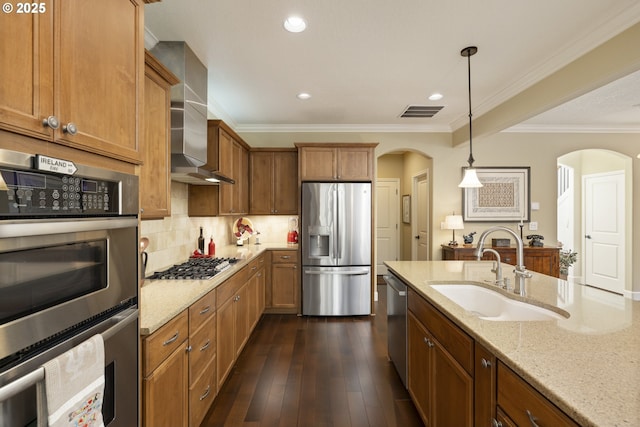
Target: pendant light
{"points": [[470, 179]]}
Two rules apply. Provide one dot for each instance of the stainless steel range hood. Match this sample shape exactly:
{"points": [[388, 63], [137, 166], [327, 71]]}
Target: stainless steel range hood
{"points": [[188, 115]]}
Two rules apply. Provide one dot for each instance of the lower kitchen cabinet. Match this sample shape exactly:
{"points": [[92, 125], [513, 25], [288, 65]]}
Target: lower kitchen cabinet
{"points": [[440, 379], [453, 380], [202, 357], [283, 294], [179, 365], [484, 386], [238, 305], [166, 375], [521, 404]]}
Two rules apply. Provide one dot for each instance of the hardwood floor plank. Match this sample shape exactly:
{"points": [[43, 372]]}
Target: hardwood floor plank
{"points": [[315, 372]]}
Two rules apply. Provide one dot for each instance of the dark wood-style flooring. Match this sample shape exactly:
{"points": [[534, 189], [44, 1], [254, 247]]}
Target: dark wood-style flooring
{"points": [[315, 372]]}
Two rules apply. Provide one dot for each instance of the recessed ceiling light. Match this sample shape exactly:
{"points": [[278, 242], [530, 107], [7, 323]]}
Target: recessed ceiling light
{"points": [[435, 96], [303, 96], [295, 24]]}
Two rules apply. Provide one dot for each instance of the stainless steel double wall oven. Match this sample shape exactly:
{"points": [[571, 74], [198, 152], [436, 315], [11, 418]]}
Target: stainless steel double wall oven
{"points": [[68, 270]]}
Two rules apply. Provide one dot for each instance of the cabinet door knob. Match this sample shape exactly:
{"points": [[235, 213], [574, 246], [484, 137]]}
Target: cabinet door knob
{"points": [[495, 423], [52, 122], [70, 128], [485, 363]]}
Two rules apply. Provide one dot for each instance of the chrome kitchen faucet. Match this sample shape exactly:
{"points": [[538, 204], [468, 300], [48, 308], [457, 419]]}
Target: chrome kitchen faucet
{"points": [[520, 271]]}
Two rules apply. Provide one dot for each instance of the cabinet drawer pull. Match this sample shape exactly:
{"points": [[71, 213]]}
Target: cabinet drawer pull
{"points": [[206, 393], [255, 267], [285, 256], [486, 363], [172, 339], [70, 128], [52, 122], [205, 310], [206, 345], [532, 419]]}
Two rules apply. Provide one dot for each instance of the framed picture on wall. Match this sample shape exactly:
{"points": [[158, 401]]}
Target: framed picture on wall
{"points": [[504, 196], [406, 209]]}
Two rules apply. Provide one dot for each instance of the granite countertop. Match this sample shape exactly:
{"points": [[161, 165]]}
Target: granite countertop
{"points": [[588, 364], [161, 300]]}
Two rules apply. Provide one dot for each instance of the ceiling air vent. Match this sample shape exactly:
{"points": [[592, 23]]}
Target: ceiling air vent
{"points": [[421, 110]]}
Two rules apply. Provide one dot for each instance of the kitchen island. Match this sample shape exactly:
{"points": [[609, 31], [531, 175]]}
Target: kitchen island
{"points": [[588, 364]]}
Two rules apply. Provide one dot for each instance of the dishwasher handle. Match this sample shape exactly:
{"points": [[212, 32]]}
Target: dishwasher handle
{"points": [[393, 282]]}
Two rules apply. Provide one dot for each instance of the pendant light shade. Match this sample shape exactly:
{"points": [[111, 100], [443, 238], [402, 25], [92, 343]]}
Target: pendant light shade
{"points": [[470, 179]]}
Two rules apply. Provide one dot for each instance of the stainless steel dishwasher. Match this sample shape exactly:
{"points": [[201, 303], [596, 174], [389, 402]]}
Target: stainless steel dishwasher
{"points": [[397, 324]]}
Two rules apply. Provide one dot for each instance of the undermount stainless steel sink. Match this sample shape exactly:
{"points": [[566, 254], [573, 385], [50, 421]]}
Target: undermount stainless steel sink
{"points": [[488, 304]]}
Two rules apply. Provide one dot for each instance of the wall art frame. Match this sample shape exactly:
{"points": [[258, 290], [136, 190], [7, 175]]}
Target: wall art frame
{"points": [[504, 197], [406, 209]]}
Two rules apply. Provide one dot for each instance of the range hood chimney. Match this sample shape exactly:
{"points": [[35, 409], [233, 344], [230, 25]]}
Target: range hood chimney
{"points": [[188, 115]]}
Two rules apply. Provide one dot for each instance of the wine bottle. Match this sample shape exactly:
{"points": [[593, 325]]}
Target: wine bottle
{"points": [[201, 242]]}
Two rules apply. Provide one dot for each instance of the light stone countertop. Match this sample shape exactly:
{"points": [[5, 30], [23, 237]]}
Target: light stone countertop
{"points": [[588, 364], [161, 300]]}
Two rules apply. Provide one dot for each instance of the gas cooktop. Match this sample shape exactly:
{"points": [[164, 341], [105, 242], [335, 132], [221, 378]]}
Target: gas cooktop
{"points": [[195, 269]]}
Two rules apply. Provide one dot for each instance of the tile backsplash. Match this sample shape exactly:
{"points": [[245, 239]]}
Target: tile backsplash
{"points": [[173, 239]]}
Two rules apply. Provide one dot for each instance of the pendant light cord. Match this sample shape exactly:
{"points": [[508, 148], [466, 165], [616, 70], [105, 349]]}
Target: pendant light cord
{"points": [[471, 159]]}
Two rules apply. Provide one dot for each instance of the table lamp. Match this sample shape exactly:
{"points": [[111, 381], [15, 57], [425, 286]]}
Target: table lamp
{"points": [[453, 222]]}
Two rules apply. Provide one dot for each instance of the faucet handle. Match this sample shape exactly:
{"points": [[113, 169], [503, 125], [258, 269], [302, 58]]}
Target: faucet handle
{"points": [[507, 284]]}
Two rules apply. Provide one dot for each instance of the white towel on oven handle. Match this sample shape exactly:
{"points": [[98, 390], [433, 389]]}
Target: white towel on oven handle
{"points": [[73, 389]]}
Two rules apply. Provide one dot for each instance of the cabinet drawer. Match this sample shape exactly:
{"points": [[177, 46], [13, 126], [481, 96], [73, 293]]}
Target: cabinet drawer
{"points": [[159, 345], [457, 343], [201, 311], [203, 348], [284, 257], [201, 394], [255, 265], [231, 286], [521, 402]]}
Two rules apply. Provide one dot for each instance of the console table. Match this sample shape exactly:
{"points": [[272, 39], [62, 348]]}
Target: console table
{"points": [[545, 260]]}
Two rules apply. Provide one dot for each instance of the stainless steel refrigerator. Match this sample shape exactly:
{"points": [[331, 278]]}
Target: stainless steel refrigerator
{"points": [[335, 238]]}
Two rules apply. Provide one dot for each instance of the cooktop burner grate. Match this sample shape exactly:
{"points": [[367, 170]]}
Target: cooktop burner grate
{"points": [[195, 269]]}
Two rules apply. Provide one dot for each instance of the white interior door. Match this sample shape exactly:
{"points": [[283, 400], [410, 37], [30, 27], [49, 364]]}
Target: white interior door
{"points": [[421, 219], [604, 205], [387, 226]]}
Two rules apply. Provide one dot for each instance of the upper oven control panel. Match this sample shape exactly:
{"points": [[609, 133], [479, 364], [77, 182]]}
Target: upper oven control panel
{"points": [[40, 186], [46, 193]]}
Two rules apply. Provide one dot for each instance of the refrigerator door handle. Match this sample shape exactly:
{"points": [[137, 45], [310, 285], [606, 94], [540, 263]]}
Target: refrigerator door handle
{"points": [[336, 232], [355, 272]]}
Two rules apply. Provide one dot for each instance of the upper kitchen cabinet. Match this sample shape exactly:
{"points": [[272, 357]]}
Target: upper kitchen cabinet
{"points": [[155, 144], [230, 154], [336, 162], [274, 182], [74, 75]]}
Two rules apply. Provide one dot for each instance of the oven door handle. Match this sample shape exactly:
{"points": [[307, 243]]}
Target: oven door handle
{"points": [[42, 227], [33, 377]]}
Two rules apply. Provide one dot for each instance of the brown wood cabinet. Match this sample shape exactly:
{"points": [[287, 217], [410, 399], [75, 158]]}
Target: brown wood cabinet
{"points": [[202, 357], [239, 305], [166, 375], [273, 183], [523, 405], [484, 386], [336, 162], [440, 359], [283, 296], [545, 260], [155, 144], [60, 64]]}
